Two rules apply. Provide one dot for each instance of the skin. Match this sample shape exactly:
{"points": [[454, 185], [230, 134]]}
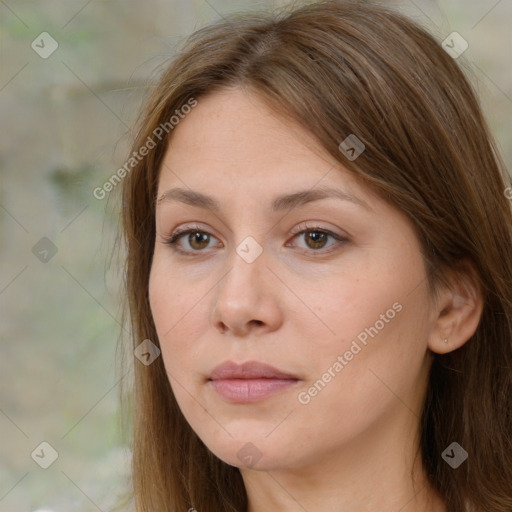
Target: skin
{"points": [[298, 307]]}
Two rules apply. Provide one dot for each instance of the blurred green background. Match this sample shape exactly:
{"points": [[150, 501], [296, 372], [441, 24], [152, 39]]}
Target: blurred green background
{"points": [[65, 127]]}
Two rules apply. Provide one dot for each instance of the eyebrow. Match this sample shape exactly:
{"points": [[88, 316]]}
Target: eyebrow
{"points": [[282, 202]]}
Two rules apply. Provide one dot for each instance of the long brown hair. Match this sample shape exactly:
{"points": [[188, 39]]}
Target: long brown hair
{"points": [[342, 68]]}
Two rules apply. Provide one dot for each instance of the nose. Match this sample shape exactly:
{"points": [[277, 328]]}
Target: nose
{"points": [[246, 299]]}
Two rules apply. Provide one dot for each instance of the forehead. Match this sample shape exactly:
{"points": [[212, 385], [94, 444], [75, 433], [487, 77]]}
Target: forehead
{"points": [[237, 126], [233, 140]]}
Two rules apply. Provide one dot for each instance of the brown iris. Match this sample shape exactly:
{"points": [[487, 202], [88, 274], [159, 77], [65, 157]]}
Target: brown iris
{"points": [[199, 238], [317, 237]]}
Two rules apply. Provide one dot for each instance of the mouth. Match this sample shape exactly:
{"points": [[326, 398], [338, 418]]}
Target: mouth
{"points": [[249, 382]]}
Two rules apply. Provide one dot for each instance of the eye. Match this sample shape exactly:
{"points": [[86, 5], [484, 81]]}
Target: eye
{"points": [[316, 238], [197, 240]]}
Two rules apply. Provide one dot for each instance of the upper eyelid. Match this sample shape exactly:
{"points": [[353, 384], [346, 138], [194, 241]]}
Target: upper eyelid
{"points": [[302, 227]]}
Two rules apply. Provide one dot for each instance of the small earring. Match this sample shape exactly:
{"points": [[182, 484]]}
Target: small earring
{"points": [[446, 340]]}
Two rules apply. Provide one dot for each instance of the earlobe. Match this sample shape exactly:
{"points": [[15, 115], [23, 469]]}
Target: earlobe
{"points": [[458, 311]]}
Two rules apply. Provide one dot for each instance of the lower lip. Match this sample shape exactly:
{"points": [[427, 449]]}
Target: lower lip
{"points": [[243, 391]]}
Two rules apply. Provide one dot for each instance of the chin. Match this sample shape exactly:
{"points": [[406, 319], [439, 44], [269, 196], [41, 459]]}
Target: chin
{"points": [[252, 452]]}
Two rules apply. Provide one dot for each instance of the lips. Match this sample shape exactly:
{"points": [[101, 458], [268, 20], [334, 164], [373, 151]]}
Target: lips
{"points": [[249, 382], [249, 370]]}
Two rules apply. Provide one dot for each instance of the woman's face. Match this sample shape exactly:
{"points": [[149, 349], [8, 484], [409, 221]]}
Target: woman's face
{"points": [[328, 288]]}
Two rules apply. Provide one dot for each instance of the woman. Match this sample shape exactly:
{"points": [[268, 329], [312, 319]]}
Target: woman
{"points": [[318, 261]]}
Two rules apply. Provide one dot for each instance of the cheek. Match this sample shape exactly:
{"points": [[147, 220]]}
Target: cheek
{"points": [[172, 296], [176, 308], [364, 300], [372, 337]]}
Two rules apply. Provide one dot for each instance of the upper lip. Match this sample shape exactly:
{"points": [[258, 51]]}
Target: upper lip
{"points": [[248, 370]]}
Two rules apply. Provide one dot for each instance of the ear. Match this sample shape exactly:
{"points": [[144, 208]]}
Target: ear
{"points": [[457, 311]]}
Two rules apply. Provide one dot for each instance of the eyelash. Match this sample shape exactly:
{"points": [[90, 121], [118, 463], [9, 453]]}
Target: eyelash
{"points": [[175, 237]]}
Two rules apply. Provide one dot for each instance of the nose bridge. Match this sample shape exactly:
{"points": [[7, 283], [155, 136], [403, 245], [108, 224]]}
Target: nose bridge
{"points": [[248, 258], [242, 295], [245, 274]]}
